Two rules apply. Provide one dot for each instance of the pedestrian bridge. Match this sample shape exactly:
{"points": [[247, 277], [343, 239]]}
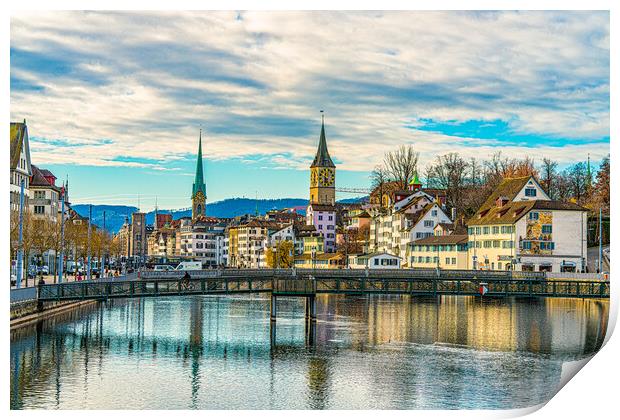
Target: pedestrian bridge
{"points": [[308, 283]]}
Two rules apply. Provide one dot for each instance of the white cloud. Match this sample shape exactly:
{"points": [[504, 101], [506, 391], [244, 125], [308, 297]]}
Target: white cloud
{"points": [[147, 81]]}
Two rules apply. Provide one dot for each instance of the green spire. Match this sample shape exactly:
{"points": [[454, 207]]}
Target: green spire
{"points": [[322, 158], [415, 180], [199, 182]]}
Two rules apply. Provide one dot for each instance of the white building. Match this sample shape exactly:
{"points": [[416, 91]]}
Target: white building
{"points": [[374, 261], [519, 227], [203, 240], [409, 219], [20, 164]]}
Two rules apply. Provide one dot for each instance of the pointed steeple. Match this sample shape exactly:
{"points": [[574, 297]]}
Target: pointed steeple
{"points": [[199, 182], [322, 158]]}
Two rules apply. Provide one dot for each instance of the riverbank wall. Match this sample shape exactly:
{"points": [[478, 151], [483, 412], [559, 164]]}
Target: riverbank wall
{"points": [[29, 312]]}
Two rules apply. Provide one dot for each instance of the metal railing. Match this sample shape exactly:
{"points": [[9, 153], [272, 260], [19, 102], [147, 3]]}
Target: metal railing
{"points": [[24, 294]]}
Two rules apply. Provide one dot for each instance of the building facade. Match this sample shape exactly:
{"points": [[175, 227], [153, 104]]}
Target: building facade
{"points": [[520, 228], [20, 164], [321, 211]]}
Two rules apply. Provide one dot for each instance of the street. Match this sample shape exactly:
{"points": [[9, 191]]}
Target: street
{"points": [[593, 258]]}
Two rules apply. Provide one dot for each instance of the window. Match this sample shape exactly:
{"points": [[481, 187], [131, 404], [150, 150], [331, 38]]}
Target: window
{"points": [[330, 218], [320, 226], [428, 223], [530, 192], [39, 194], [533, 215], [547, 229], [453, 260], [39, 209], [434, 213], [485, 230], [526, 245], [477, 230], [320, 217], [428, 259], [470, 231], [495, 230], [447, 260], [496, 244], [487, 244], [435, 260], [420, 259]]}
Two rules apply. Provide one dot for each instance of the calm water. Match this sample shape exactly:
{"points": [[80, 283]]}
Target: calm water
{"points": [[364, 353]]}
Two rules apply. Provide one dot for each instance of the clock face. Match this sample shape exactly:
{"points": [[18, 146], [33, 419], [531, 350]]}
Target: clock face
{"points": [[314, 178], [199, 195], [326, 177]]}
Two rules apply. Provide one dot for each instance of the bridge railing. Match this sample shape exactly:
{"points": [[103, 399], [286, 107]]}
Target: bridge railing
{"points": [[23, 294]]}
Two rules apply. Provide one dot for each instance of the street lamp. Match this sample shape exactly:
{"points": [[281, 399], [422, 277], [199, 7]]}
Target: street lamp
{"points": [[313, 257]]}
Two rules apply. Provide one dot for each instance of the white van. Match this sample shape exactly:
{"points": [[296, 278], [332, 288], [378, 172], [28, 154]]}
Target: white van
{"points": [[189, 265], [163, 268]]}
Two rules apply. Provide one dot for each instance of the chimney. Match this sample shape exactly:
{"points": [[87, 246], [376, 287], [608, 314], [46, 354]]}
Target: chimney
{"points": [[453, 215]]}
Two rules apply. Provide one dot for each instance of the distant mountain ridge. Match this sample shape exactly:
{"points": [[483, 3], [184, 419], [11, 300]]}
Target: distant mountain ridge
{"points": [[228, 208]]}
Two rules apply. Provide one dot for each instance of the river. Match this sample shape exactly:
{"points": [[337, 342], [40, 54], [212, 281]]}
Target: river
{"points": [[379, 352]]}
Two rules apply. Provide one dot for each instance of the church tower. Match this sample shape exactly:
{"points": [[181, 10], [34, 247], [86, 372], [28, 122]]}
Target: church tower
{"points": [[199, 190], [322, 174]]}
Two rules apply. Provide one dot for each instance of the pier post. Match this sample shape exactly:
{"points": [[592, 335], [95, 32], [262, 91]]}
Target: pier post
{"points": [[273, 308], [311, 308], [272, 333], [310, 333]]}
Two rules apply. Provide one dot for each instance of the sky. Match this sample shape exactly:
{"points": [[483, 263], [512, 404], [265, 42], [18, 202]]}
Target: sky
{"points": [[115, 101]]}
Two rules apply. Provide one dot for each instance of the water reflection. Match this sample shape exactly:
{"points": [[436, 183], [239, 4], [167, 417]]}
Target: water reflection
{"points": [[377, 352]]}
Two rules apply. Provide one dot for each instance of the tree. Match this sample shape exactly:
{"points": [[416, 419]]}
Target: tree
{"points": [[280, 256], [449, 172], [379, 178], [475, 171], [577, 178], [352, 241], [601, 191], [548, 175], [401, 164]]}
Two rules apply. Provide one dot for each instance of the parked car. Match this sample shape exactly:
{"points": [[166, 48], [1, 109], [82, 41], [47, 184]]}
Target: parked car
{"points": [[163, 267], [189, 265], [43, 270]]}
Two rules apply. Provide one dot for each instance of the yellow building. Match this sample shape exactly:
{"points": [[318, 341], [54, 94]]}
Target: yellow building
{"points": [[233, 246], [447, 252]]}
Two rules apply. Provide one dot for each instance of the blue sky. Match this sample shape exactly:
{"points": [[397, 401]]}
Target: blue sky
{"points": [[116, 100]]}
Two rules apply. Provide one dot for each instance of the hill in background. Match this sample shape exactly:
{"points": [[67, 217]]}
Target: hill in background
{"points": [[231, 207]]}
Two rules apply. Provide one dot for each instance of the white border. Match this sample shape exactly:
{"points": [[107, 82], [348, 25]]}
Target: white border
{"points": [[590, 395]]}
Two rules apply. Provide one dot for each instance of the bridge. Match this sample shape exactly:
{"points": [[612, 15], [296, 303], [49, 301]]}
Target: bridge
{"points": [[308, 283]]}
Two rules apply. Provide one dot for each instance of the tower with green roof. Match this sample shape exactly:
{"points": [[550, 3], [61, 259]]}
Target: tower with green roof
{"points": [[415, 184], [199, 189]]}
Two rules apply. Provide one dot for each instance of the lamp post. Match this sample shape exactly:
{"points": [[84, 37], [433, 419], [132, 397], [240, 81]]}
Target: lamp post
{"points": [[20, 239], [313, 258], [62, 238]]}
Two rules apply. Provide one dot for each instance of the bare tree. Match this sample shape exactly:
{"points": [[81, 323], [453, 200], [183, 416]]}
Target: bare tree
{"points": [[548, 172], [475, 170], [402, 164], [449, 172], [379, 178]]}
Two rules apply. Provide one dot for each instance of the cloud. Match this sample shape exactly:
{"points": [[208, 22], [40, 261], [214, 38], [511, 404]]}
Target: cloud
{"points": [[133, 89]]}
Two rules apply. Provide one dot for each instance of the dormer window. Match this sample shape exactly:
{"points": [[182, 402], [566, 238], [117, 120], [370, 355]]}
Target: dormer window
{"points": [[501, 201], [530, 192]]}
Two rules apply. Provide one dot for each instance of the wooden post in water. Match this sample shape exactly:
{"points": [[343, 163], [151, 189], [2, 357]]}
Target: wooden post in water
{"points": [[312, 307], [273, 308]]}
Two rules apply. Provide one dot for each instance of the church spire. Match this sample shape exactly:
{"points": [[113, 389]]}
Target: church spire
{"points": [[322, 158], [199, 182]]}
